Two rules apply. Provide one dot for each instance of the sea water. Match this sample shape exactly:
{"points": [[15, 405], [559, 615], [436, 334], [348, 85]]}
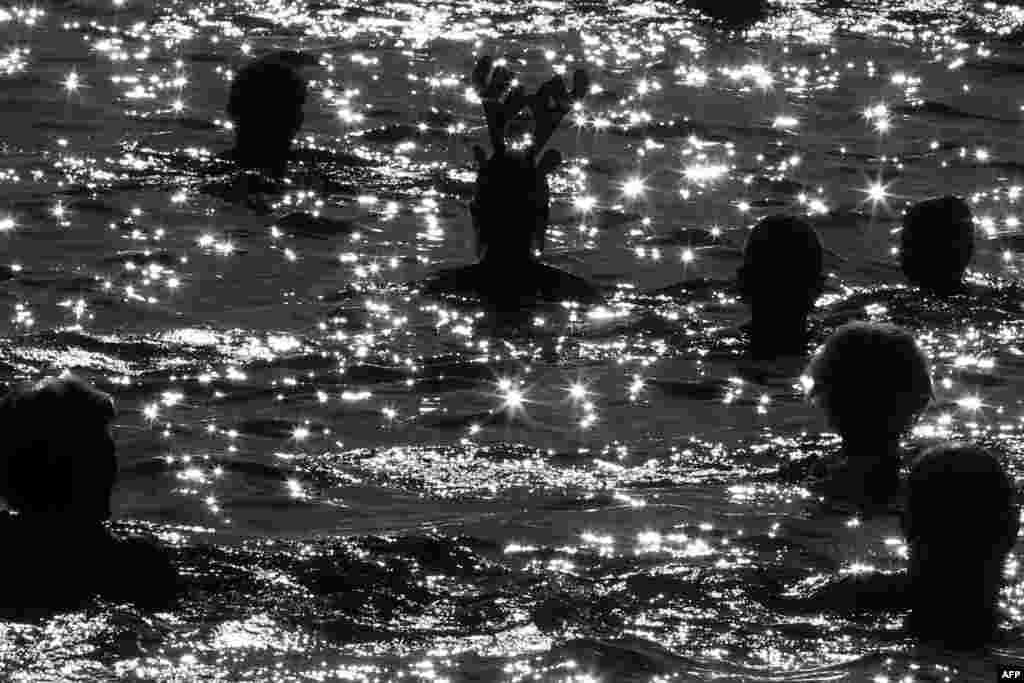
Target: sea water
{"points": [[360, 483]]}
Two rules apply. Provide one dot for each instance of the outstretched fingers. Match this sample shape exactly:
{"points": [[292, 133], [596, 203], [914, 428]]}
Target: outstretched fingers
{"points": [[553, 101], [503, 99]]}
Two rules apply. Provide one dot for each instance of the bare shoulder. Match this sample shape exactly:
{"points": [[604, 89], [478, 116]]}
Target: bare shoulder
{"points": [[536, 282], [140, 572], [461, 280], [556, 284]]}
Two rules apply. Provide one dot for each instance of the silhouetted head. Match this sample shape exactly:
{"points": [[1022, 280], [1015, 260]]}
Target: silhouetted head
{"points": [[733, 14], [265, 105], [780, 279], [57, 459], [510, 207], [872, 381], [960, 522], [782, 264], [937, 243]]}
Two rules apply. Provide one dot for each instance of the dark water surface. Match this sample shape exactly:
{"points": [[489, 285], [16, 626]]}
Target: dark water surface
{"points": [[359, 483]]}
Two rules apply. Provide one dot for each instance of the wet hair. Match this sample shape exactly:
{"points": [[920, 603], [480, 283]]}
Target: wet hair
{"points": [[265, 104], [782, 263], [937, 243], [49, 462], [870, 378], [958, 486]]}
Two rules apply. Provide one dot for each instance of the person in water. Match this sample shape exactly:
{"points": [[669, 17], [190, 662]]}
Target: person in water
{"points": [[960, 522], [735, 14], [936, 244], [265, 105], [872, 381], [780, 279], [58, 466], [266, 108], [511, 200]]}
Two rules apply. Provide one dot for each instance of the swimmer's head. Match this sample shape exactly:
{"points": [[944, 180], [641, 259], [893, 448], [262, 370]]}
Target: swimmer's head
{"points": [[57, 458], [780, 279], [782, 266], [265, 105], [960, 494], [871, 379], [510, 205], [937, 243], [960, 522]]}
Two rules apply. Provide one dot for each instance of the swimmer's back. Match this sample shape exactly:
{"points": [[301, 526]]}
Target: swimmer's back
{"points": [[44, 571]]}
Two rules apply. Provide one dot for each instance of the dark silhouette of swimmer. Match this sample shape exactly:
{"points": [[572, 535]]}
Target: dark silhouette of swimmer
{"points": [[265, 105], [57, 470], [510, 206], [960, 522], [872, 381], [733, 14], [936, 244], [780, 279]]}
